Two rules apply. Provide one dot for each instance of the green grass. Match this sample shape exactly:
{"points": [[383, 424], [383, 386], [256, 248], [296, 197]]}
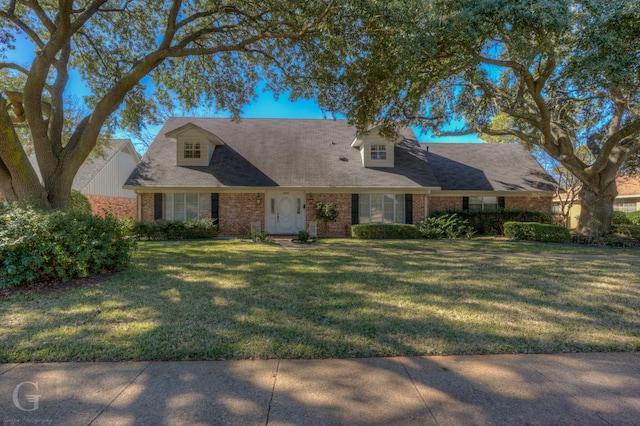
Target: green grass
{"points": [[339, 298]]}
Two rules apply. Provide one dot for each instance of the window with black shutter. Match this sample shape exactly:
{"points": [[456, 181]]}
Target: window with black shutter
{"points": [[408, 208], [465, 203], [215, 208], [355, 214], [157, 206]]}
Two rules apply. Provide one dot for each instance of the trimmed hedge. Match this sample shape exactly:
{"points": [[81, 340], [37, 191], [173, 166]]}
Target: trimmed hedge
{"points": [[178, 230], [378, 231], [534, 231], [59, 245], [491, 222]]}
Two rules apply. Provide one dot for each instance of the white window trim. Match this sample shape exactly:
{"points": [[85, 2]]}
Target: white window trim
{"points": [[484, 204], [193, 148], [396, 209], [170, 215], [378, 152]]}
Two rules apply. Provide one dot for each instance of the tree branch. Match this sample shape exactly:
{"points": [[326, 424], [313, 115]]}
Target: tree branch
{"points": [[11, 65], [42, 15], [33, 36]]}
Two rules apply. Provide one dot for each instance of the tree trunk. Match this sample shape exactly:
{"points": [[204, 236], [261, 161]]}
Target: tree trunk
{"points": [[597, 207], [18, 178]]}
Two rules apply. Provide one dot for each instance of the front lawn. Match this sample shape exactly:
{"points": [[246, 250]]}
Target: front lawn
{"points": [[340, 298]]}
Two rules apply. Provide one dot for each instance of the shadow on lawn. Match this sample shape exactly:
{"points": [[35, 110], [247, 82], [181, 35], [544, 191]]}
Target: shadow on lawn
{"points": [[186, 301], [204, 300]]}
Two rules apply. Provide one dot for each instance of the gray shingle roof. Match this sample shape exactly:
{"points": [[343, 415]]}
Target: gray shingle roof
{"points": [[280, 153], [486, 167]]}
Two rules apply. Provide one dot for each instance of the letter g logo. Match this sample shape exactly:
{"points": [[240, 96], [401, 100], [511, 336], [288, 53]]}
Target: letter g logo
{"points": [[31, 398]]}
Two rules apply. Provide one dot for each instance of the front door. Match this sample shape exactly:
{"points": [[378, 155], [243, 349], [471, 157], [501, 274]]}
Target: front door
{"points": [[285, 212]]}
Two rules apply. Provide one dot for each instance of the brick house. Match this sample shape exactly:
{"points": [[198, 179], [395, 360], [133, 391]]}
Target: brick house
{"points": [[274, 171]]}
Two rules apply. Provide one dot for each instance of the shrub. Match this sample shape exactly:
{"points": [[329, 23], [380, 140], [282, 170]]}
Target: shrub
{"points": [[620, 218], [176, 230], [262, 237], [384, 231], [491, 222], [534, 231], [303, 235], [59, 245], [626, 230], [606, 241], [634, 217], [326, 212], [446, 226], [79, 202]]}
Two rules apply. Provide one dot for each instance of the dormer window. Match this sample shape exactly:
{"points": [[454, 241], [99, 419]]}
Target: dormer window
{"points": [[378, 152], [192, 150]]}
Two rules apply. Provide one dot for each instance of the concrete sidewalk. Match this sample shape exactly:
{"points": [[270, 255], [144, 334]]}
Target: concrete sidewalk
{"points": [[584, 389]]}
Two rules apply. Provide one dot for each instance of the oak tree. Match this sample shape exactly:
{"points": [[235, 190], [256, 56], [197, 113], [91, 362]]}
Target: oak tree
{"points": [[560, 74], [133, 55]]}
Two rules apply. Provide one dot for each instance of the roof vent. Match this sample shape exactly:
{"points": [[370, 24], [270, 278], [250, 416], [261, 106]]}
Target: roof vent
{"points": [[333, 143], [344, 159]]}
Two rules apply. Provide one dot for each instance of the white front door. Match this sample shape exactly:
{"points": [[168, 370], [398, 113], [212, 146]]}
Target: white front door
{"points": [[285, 212]]}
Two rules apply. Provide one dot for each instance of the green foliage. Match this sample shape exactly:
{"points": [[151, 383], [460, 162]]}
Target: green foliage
{"points": [[509, 70], [491, 222], [262, 237], [59, 245], [448, 225], [138, 58], [620, 218], [627, 230], [79, 202], [634, 218], [176, 230], [376, 231], [303, 235], [533, 231], [326, 212]]}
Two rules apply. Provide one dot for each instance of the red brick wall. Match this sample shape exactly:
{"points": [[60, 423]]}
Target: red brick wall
{"points": [[120, 207], [237, 211], [439, 204], [342, 226], [418, 208], [147, 207], [532, 202]]}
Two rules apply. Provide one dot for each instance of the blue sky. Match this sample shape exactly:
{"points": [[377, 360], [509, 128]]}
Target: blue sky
{"points": [[265, 106]]}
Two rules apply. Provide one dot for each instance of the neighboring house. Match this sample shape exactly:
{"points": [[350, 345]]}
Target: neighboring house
{"points": [[628, 199], [274, 171], [100, 178]]}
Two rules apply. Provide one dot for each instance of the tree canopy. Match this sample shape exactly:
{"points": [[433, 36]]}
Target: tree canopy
{"points": [[134, 56], [554, 74]]}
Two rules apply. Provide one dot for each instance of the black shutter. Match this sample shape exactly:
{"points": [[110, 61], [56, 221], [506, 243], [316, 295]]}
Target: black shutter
{"points": [[157, 206], [465, 203], [355, 206], [501, 202], [408, 208], [215, 208]]}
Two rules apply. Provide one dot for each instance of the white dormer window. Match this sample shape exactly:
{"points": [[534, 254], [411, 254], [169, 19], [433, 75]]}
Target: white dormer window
{"points": [[378, 152], [192, 150]]}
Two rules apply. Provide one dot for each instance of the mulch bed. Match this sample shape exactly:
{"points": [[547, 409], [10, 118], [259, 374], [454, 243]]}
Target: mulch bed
{"points": [[53, 287]]}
